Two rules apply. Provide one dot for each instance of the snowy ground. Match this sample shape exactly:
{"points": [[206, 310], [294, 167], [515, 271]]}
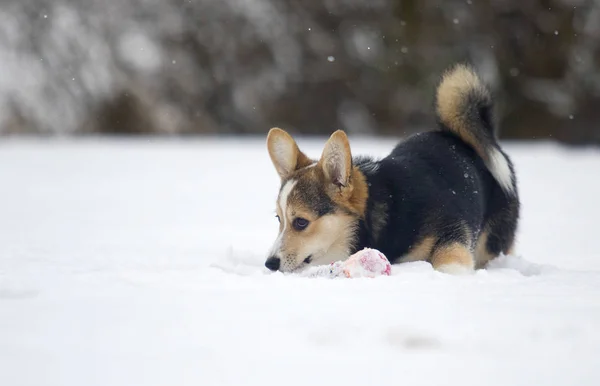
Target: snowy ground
{"points": [[140, 263]]}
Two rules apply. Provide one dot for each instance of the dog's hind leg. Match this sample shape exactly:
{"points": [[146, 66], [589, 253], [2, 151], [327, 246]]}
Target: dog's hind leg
{"points": [[498, 235], [482, 254], [453, 258], [452, 252]]}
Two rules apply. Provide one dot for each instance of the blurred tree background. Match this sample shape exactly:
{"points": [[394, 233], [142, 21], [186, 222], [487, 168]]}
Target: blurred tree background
{"points": [[70, 67]]}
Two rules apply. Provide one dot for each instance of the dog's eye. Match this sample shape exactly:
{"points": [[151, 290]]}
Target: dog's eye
{"points": [[300, 223], [278, 219]]}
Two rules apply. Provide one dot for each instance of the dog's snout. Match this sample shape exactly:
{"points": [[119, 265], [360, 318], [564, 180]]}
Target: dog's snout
{"points": [[273, 263]]}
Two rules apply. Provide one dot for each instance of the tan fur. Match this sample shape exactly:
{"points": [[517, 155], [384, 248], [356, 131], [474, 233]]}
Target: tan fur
{"points": [[346, 185], [452, 93], [336, 159], [284, 153], [482, 254], [420, 252], [451, 256], [355, 198]]}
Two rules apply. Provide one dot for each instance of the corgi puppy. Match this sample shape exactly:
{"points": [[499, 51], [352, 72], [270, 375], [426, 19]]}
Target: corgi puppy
{"points": [[448, 196]]}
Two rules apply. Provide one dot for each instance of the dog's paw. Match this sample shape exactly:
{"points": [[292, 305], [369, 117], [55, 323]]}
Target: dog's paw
{"points": [[455, 269]]}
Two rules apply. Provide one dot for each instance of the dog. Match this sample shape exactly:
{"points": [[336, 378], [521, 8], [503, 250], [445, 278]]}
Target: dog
{"points": [[448, 196]]}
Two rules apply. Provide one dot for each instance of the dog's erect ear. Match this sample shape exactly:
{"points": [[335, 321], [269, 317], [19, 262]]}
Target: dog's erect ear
{"points": [[336, 160], [284, 153]]}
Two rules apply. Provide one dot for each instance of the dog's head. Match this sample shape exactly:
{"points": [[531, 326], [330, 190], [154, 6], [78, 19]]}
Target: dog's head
{"points": [[319, 204]]}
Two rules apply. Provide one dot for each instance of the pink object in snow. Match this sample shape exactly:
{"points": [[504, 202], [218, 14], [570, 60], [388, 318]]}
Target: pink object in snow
{"points": [[367, 263]]}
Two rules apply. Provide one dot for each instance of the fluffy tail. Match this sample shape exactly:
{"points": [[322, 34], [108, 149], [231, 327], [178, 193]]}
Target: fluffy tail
{"points": [[465, 107]]}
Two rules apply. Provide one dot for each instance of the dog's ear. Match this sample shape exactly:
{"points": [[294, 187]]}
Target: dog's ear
{"points": [[336, 160], [284, 153]]}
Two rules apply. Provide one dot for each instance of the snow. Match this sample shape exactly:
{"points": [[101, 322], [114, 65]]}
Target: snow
{"points": [[140, 262]]}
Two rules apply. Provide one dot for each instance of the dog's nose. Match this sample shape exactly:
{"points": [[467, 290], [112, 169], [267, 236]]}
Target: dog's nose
{"points": [[273, 263]]}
